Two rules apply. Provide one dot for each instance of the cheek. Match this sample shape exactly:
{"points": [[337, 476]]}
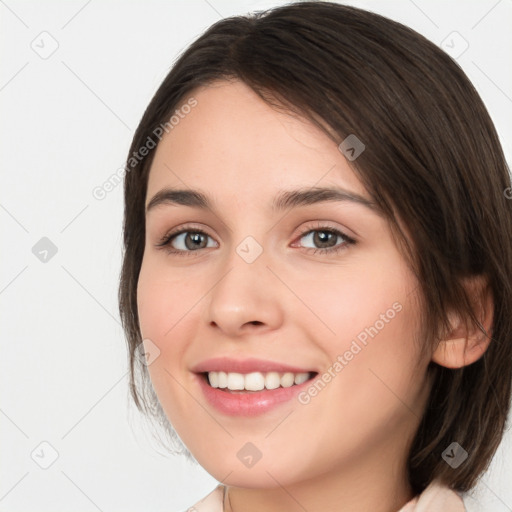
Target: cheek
{"points": [[367, 325], [370, 392], [163, 300], [352, 301], [166, 307]]}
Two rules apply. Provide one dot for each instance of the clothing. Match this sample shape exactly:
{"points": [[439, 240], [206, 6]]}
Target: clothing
{"points": [[435, 498]]}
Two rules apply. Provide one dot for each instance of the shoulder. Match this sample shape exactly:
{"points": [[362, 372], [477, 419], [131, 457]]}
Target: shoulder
{"points": [[212, 502], [435, 498]]}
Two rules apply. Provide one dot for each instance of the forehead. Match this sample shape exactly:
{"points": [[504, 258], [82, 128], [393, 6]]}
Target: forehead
{"points": [[233, 140]]}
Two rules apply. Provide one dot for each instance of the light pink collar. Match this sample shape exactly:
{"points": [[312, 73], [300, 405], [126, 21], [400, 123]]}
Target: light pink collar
{"points": [[435, 498]]}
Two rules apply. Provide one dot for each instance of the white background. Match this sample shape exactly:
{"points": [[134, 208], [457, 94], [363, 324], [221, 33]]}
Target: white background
{"points": [[67, 122]]}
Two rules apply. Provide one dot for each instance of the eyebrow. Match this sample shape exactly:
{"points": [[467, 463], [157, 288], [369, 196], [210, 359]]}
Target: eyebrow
{"points": [[284, 199]]}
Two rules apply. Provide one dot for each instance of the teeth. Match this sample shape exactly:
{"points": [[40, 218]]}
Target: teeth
{"points": [[287, 380], [255, 381], [223, 379], [252, 381], [301, 377], [235, 381], [272, 380]]}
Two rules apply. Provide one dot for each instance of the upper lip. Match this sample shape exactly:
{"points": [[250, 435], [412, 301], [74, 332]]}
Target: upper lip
{"points": [[226, 364]]}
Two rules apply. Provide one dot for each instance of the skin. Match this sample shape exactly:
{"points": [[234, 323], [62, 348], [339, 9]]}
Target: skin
{"points": [[347, 448]]}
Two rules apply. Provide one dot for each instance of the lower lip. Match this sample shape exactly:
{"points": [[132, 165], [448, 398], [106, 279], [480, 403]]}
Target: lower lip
{"points": [[250, 403]]}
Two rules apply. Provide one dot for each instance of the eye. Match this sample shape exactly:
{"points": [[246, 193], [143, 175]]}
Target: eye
{"points": [[185, 241], [326, 239]]}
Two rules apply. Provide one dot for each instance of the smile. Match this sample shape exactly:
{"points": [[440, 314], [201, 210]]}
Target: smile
{"points": [[232, 394]]}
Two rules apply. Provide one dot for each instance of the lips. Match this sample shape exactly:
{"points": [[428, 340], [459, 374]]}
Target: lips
{"points": [[229, 365]]}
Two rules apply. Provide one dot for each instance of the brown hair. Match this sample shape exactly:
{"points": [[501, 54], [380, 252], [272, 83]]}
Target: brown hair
{"points": [[433, 160]]}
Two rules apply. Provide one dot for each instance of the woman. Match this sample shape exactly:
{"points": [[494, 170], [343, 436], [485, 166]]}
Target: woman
{"points": [[318, 265]]}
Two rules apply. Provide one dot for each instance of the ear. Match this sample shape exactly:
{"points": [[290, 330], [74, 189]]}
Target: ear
{"points": [[461, 347]]}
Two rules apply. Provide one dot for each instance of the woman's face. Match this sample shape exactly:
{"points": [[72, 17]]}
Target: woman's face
{"points": [[312, 284]]}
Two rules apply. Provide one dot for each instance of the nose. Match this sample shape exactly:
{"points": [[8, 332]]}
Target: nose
{"points": [[246, 298]]}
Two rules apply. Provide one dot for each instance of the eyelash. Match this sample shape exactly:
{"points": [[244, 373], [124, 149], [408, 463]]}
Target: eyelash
{"points": [[166, 240]]}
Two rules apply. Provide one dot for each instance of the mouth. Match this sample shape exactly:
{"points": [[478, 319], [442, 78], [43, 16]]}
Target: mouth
{"points": [[252, 386], [254, 382], [247, 394]]}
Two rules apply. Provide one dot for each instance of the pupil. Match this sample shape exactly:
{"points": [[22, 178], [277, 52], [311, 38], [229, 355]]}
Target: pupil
{"points": [[322, 236], [196, 240]]}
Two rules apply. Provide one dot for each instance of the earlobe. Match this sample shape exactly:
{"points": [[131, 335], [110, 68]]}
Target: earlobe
{"points": [[461, 346], [459, 352]]}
